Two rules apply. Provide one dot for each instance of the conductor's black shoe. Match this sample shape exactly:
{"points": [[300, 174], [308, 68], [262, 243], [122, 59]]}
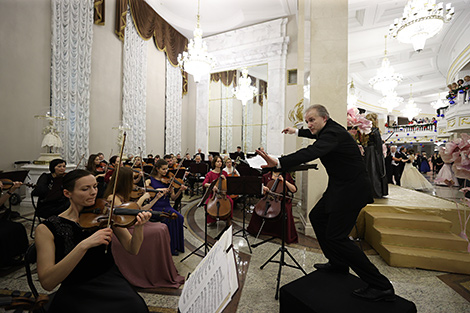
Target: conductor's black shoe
{"points": [[331, 268], [372, 294]]}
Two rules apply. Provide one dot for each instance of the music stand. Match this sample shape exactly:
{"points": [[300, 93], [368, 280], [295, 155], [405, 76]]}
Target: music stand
{"points": [[202, 203], [246, 186], [283, 249]]}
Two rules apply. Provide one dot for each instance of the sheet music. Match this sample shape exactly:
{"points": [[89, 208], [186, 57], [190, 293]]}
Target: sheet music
{"points": [[257, 161], [214, 281]]}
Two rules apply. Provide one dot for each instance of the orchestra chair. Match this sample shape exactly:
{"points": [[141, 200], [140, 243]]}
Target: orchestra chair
{"points": [[36, 216], [30, 258]]}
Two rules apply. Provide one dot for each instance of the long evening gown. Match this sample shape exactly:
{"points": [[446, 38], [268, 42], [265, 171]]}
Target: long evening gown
{"points": [[95, 285], [174, 226], [413, 179], [210, 177]]}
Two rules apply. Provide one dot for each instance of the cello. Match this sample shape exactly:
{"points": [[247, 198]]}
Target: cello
{"points": [[269, 207], [219, 206]]}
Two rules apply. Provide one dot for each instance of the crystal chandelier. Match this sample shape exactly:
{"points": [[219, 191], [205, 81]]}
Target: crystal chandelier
{"points": [[386, 79], [244, 91], [438, 103], [352, 96], [196, 61], [421, 20], [411, 110], [391, 101]]}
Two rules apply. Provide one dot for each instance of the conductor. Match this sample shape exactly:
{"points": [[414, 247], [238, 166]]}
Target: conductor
{"points": [[348, 191]]}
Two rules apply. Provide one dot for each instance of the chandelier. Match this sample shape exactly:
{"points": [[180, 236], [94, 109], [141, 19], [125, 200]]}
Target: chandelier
{"points": [[196, 61], [352, 96], [411, 110], [386, 79], [421, 20], [391, 101], [244, 91], [438, 103]]}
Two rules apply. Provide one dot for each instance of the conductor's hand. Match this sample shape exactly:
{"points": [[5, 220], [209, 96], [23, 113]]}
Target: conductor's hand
{"points": [[288, 130], [271, 162]]}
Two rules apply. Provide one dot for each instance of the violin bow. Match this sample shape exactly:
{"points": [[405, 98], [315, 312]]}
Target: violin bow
{"points": [[116, 180], [178, 168], [80, 161]]}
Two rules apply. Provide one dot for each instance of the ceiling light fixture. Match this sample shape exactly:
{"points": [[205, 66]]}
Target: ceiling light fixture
{"points": [[411, 110], [196, 61], [391, 101], [421, 20], [386, 79], [244, 91]]}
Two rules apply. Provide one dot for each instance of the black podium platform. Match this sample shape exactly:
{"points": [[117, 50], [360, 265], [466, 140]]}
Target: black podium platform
{"points": [[323, 292]]}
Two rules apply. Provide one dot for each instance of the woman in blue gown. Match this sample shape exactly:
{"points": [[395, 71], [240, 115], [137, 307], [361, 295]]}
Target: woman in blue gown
{"points": [[175, 226], [424, 166]]}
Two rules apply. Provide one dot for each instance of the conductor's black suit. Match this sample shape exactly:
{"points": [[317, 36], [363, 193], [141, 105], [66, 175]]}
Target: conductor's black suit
{"points": [[348, 191]]}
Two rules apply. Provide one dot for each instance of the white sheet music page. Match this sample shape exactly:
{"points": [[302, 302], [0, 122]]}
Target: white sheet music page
{"points": [[211, 286], [257, 161]]}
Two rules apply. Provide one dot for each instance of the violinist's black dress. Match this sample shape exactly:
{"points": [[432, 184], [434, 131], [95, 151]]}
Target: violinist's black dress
{"points": [[95, 285]]}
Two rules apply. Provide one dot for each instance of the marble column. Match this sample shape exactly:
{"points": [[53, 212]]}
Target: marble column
{"points": [[328, 75]]}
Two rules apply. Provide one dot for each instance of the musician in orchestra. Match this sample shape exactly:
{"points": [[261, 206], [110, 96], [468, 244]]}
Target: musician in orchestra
{"points": [[212, 175], [193, 177], [102, 160], [114, 161], [48, 189], [5, 196], [94, 167], [239, 153], [158, 179], [273, 227], [155, 249], [229, 168], [348, 191], [199, 152], [77, 258]]}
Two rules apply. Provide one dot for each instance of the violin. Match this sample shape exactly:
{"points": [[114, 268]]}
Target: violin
{"points": [[269, 206], [138, 192], [173, 181], [219, 205], [123, 215], [20, 303], [8, 183]]}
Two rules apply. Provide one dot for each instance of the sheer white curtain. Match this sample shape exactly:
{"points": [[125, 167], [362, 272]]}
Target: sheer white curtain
{"points": [[173, 109], [134, 89], [226, 118], [71, 42]]}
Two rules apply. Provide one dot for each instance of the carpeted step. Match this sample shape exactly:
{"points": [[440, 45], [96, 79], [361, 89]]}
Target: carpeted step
{"points": [[420, 238], [411, 221], [439, 260]]}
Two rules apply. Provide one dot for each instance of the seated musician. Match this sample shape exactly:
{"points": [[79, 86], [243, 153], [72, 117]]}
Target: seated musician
{"points": [[94, 166], [229, 168], [5, 196], [158, 179], [102, 160], [155, 249], [113, 162], [138, 174], [210, 177], [192, 176], [199, 152], [210, 159], [273, 227], [52, 200], [239, 153], [77, 259]]}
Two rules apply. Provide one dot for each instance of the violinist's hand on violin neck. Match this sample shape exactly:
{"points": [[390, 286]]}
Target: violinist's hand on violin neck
{"points": [[100, 237], [142, 218]]}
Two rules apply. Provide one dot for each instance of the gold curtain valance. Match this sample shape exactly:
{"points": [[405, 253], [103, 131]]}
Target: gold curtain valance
{"points": [[226, 77], [98, 12], [149, 24]]}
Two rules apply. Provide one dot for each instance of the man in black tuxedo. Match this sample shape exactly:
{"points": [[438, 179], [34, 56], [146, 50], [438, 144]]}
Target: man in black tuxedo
{"points": [[396, 165], [348, 191]]}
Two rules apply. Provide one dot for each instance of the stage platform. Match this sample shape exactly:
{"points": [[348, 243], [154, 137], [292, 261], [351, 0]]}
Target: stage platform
{"points": [[418, 230], [323, 292]]}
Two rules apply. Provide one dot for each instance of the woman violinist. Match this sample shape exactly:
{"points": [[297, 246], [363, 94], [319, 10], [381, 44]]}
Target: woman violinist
{"points": [[273, 227], [94, 166], [77, 259], [210, 177], [153, 267], [159, 180]]}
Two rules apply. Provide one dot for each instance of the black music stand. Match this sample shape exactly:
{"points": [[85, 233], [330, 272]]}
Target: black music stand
{"points": [[245, 186], [205, 244], [283, 249]]}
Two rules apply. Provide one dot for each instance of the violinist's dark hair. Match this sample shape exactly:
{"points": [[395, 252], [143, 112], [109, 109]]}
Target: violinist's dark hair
{"points": [[124, 185], [91, 166], [71, 177], [214, 160], [168, 156], [113, 159], [158, 165], [54, 163]]}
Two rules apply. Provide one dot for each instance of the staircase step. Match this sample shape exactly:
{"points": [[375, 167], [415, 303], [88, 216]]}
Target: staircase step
{"points": [[420, 238], [411, 221], [447, 261]]}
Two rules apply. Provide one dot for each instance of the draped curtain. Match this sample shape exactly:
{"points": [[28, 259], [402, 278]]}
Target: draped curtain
{"points": [[226, 116], [173, 109], [71, 43], [226, 77], [149, 24], [134, 91]]}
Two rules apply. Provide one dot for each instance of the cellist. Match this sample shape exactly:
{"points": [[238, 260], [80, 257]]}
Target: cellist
{"points": [[210, 177], [273, 227], [229, 168]]}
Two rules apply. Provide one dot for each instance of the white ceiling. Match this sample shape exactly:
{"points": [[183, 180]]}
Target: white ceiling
{"points": [[369, 21]]}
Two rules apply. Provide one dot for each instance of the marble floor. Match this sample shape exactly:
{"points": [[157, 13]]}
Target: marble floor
{"points": [[426, 289]]}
